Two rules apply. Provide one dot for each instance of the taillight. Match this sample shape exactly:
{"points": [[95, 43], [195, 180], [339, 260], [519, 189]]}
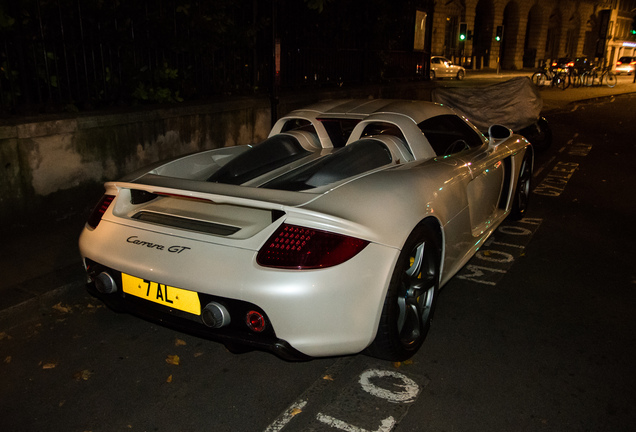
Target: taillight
{"points": [[294, 247], [633, 62], [99, 210], [619, 63]]}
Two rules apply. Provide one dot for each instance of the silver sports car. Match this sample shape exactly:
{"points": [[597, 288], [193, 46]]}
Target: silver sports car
{"points": [[333, 236]]}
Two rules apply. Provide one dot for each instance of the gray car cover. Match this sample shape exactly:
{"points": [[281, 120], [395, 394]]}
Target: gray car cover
{"points": [[515, 103]]}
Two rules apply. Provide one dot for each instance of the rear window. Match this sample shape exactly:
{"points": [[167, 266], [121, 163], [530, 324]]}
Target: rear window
{"points": [[274, 152], [299, 125], [339, 130], [356, 158]]}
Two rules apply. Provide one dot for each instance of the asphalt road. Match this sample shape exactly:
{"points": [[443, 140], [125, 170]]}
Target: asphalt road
{"points": [[536, 334]]}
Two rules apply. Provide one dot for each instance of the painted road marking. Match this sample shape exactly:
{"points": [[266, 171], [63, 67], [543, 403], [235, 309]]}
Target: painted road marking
{"points": [[369, 397], [496, 256], [386, 425], [554, 183]]}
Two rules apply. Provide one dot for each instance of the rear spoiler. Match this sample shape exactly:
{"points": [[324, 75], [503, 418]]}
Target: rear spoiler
{"points": [[218, 193]]}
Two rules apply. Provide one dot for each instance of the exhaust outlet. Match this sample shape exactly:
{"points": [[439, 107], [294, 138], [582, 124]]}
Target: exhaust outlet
{"points": [[105, 284], [215, 315]]}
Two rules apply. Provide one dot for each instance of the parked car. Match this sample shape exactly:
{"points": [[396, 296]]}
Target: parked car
{"points": [[441, 67], [562, 64], [626, 65], [332, 236]]}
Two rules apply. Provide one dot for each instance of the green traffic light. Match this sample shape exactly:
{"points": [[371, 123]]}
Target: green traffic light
{"points": [[498, 39], [462, 37]]}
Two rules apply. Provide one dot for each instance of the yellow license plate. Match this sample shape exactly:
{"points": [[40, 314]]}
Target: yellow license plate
{"points": [[176, 298]]}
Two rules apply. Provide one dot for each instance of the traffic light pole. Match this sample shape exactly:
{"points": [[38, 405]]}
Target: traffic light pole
{"points": [[499, 37]]}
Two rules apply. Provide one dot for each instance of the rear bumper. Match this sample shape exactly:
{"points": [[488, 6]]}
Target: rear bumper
{"points": [[312, 313], [234, 334]]}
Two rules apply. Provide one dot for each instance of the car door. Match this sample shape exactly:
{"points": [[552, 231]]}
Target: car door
{"points": [[443, 68], [449, 135], [484, 190]]}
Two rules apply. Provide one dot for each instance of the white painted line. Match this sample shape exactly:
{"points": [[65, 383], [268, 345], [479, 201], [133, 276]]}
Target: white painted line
{"points": [[294, 409], [504, 244], [386, 426], [407, 394]]}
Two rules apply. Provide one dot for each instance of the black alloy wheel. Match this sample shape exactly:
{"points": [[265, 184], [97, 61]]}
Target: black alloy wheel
{"points": [[411, 297], [522, 193]]}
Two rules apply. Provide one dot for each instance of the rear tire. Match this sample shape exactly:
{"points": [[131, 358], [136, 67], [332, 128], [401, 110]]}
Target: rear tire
{"points": [[588, 79], [562, 80], [610, 79], [411, 297], [539, 79]]}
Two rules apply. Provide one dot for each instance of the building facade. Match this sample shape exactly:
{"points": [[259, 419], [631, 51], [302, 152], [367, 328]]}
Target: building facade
{"points": [[532, 32]]}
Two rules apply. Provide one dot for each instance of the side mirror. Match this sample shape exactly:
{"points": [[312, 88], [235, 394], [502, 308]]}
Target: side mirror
{"points": [[498, 133]]}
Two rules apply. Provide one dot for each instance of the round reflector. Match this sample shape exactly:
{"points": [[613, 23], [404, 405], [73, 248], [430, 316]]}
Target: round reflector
{"points": [[255, 321]]}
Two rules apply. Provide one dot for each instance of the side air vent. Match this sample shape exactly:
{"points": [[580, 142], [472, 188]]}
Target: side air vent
{"points": [[187, 224]]}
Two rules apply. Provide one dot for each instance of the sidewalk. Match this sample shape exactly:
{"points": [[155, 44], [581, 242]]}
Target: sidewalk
{"points": [[38, 261], [555, 99]]}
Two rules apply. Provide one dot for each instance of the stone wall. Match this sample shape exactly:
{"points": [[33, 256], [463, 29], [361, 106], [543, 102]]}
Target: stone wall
{"points": [[44, 163], [55, 167]]}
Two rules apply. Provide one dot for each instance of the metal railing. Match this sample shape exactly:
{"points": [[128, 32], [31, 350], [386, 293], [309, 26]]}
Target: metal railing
{"points": [[70, 55]]}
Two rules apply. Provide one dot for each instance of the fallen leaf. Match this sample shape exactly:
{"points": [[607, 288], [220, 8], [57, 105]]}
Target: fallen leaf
{"points": [[61, 403], [173, 360], [199, 354], [296, 411], [328, 378], [397, 364], [83, 375], [60, 308], [3, 335], [7, 359], [179, 342], [48, 365], [169, 380]]}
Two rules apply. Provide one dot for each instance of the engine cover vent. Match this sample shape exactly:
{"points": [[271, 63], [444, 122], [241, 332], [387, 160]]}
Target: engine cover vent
{"points": [[187, 224]]}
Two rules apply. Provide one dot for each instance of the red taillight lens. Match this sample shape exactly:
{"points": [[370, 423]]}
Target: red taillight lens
{"points": [[294, 247], [99, 210], [619, 63]]}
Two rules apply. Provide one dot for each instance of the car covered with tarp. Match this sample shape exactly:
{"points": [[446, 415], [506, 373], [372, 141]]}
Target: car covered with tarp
{"points": [[515, 103]]}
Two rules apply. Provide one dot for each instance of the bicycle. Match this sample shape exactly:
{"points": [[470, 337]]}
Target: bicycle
{"points": [[592, 77], [574, 77], [556, 77]]}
